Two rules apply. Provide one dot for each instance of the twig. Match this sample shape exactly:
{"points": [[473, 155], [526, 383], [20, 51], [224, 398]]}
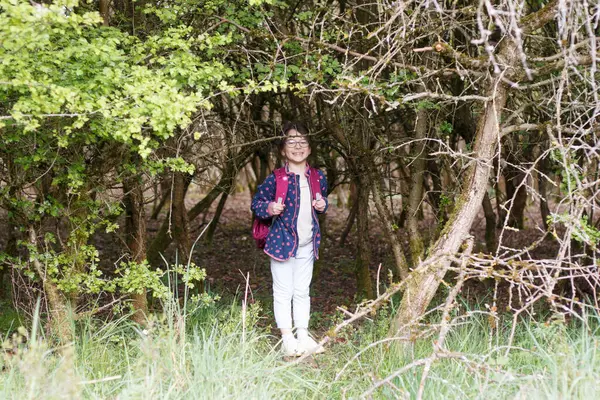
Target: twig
{"points": [[107, 379]]}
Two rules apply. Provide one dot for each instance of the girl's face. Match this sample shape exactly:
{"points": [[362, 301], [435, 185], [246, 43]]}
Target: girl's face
{"points": [[296, 149]]}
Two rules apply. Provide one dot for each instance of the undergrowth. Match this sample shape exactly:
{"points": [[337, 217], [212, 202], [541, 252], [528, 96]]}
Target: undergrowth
{"points": [[219, 351]]}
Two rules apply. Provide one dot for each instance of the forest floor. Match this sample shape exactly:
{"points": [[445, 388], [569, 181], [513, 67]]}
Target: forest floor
{"points": [[232, 257]]}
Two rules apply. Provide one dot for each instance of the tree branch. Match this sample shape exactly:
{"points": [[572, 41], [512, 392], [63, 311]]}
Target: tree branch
{"points": [[536, 20], [445, 50]]}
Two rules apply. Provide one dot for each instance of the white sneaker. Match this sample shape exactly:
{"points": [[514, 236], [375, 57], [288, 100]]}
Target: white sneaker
{"points": [[290, 347], [308, 345]]}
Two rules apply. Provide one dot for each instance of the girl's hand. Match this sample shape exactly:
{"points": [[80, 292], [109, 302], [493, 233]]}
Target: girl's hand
{"points": [[319, 205], [276, 208]]}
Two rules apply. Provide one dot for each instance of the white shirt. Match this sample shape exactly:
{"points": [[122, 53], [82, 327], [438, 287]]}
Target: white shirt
{"points": [[305, 221]]}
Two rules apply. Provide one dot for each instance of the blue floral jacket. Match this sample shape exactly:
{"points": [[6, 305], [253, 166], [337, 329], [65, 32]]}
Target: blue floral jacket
{"points": [[282, 241]]}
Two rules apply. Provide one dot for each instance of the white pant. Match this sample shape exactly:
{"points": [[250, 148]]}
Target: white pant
{"points": [[291, 282]]}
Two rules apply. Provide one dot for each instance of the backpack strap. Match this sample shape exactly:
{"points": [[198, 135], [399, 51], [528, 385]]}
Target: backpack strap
{"points": [[281, 185], [315, 183]]}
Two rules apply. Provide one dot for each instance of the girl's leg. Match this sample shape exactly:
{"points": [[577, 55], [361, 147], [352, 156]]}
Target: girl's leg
{"points": [[283, 290], [302, 271]]}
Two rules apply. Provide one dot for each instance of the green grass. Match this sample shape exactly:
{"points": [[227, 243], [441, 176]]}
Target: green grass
{"points": [[9, 318], [208, 354]]}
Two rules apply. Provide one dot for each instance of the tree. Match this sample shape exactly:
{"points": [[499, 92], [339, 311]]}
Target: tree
{"points": [[77, 99]]}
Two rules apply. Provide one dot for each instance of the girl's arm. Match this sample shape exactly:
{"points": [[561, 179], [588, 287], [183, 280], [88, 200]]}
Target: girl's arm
{"points": [[265, 194], [324, 187]]}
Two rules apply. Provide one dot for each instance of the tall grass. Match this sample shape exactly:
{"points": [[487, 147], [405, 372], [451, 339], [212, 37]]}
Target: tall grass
{"points": [[203, 355]]}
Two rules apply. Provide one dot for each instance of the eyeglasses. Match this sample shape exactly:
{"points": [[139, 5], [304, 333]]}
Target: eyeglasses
{"points": [[296, 143]]}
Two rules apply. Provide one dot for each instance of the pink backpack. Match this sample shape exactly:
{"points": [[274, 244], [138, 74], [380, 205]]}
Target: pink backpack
{"points": [[260, 228]]}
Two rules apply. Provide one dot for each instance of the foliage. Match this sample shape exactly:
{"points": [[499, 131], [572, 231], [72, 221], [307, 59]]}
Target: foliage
{"points": [[77, 99], [135, 277], [83, 84], [582, 231]]}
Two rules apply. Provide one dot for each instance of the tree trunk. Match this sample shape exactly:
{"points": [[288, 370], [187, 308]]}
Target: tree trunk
{"points": [[516, 196], [543, 173], [490, 224], [387, 221], [318, 264], [11, 248], [422, 284], [58, 305], [260, 167], [165, 197], [435, 195], [162, 239], [77, 239], [135, 232], [179, 217], [104, 12], [415, 197], [251, 180], [362, 166], [215, 221], [349, 223], [364, 287], [500, 211]]}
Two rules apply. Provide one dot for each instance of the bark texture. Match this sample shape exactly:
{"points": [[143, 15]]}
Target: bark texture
{"points": [[58, 305], [417, 247], [215, 221], [542, 175], [135, 229], [179, 217], [423, 284], [351, 218], [104, 12], [516, 195], [364, 287], [490, 224]]}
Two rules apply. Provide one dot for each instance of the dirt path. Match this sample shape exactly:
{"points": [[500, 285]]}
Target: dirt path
{"points": [[233, 255]]}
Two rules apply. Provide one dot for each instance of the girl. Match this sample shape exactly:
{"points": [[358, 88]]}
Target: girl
{"points": [[294, 238]]}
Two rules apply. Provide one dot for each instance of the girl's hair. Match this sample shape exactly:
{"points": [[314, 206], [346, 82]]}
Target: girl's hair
{"points": [[298, 127]]}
